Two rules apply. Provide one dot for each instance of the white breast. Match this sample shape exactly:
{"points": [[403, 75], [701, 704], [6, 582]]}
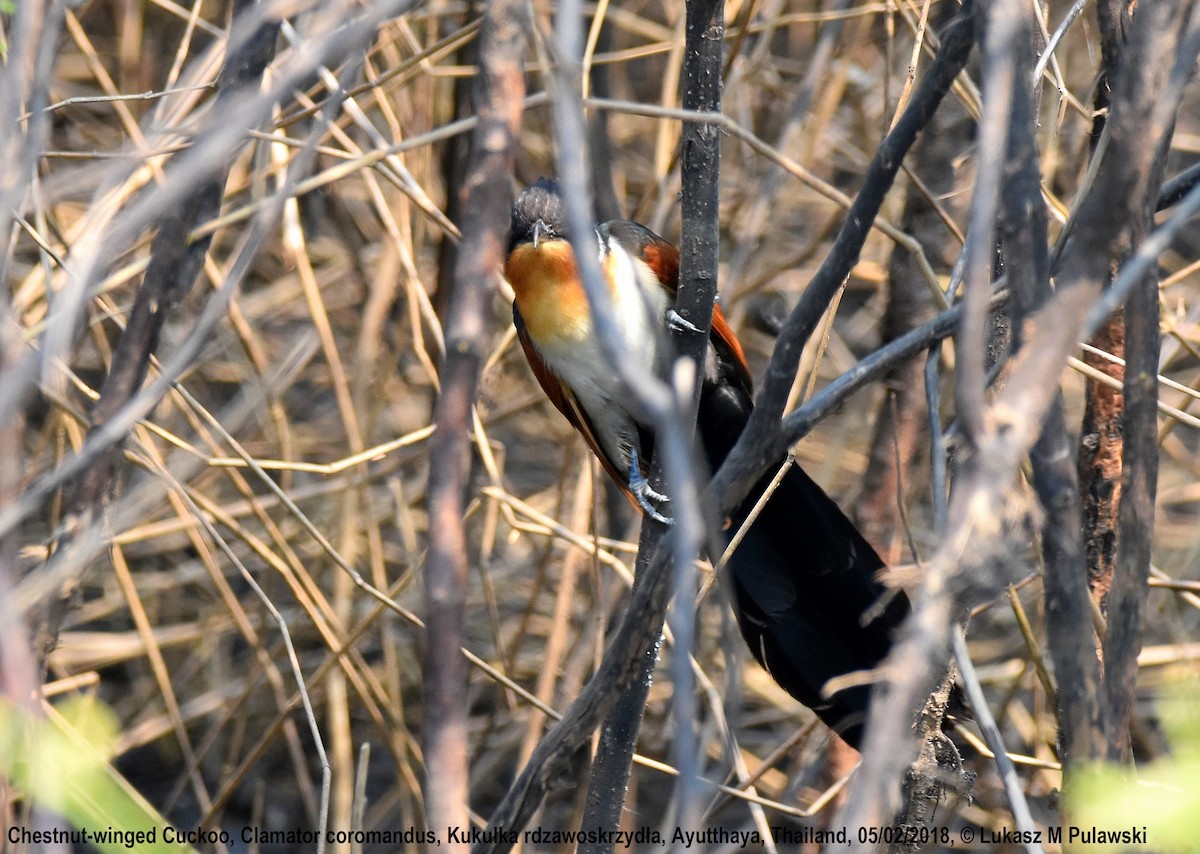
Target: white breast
{"points": [[639, 303]]}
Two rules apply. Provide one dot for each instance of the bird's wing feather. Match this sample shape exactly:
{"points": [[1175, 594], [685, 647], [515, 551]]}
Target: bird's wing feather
{"points": [[663, 260], [721, 332]]}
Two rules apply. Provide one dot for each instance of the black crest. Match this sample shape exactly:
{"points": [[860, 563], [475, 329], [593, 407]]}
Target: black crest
{"points": [[539, 201]]}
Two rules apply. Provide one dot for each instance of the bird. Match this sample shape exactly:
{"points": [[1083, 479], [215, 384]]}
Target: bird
{"points": [[805, 583]]}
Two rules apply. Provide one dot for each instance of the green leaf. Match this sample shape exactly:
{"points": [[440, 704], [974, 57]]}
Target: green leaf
{"points": [[61, 762], [1162, 797]]}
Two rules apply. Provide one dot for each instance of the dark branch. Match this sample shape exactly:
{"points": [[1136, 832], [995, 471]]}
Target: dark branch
{"points": [[1174, 190], [762, 443], [699, 247]]}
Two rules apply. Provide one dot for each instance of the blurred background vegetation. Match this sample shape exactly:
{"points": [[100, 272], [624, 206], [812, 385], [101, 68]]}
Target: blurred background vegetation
{"points": [[323, 370]]}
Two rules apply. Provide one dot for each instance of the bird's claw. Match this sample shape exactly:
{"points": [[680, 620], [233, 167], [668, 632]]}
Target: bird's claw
{"points": [[643, 493], [678, 323]]}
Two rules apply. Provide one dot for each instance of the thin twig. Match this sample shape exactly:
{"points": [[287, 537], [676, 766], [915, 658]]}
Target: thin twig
{"points": [[991, 734]]}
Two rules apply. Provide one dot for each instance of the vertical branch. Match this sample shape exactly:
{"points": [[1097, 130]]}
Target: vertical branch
{"points": [[1082, 710], [455, 160], [609, 779], [1150, 73], [699, 250], [1023, 237], [1099, 458], [1135, 515], [699, 247], [999, 81], [1127, 571], [633, 649], [1100, 447], [1070, 639], [485, 200], [1112, 20], [613, 760], [899, 428], [699, 239]]}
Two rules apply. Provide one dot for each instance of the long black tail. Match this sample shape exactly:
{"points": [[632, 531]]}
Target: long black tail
{"points": [[808, 601], [804, 579]]}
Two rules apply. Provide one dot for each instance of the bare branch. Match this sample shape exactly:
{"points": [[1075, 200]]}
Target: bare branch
{"points": [[699, 247], [985, 508], [486, 199], [761, 442], [175, 261]]}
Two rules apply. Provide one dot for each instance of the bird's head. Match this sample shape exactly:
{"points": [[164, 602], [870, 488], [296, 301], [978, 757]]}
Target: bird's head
{"points": [[541, 265], [537, 215]]}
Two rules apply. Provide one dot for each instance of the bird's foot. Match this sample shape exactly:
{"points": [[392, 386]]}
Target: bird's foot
{"points": [[643, 493], [676, 322], [645, 496]]}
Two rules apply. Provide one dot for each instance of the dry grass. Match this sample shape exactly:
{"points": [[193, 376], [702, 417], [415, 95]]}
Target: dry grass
{"points": [[307, 413]]}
